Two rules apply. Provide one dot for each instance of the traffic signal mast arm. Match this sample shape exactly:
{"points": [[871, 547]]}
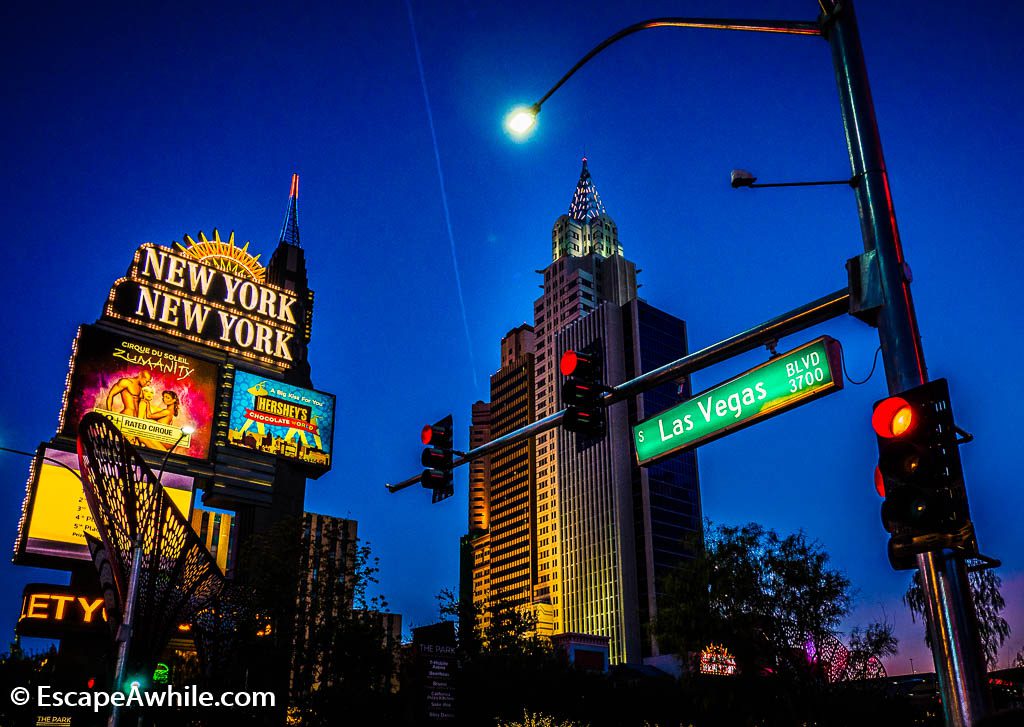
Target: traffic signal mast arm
{"points": [[817, 311]]}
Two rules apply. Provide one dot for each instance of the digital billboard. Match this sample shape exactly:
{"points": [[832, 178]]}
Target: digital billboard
{"points": [[277, 418], [57, 516], [149, 392]]}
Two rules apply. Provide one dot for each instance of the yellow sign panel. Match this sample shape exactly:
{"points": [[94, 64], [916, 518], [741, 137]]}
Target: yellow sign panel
{"points": [[59, 516]]}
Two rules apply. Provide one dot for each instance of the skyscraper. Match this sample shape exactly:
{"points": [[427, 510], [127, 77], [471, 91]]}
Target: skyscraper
{"points": [[475, 552], [587, 268], [589, 530]]}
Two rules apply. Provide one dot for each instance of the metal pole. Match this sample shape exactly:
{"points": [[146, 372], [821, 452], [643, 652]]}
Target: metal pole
{"points": [[810, 314], [160, 474], [952, 622], [124, 634]]}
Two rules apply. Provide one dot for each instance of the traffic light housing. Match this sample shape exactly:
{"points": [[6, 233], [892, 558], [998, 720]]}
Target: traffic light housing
{"points": [[582, 390], [920, 475], [438, 458]]}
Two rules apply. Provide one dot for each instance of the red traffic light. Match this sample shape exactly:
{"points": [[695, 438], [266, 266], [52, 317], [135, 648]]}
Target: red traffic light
{"points": [[879, 482], [893, 417], [583, 365], [569, 361], [438, 434]]}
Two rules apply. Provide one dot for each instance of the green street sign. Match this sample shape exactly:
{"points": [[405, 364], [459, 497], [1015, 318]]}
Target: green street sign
{"points": [[784, 382]]}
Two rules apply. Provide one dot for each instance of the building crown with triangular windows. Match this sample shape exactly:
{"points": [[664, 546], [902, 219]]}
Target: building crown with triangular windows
{"points": [[587, 228]]}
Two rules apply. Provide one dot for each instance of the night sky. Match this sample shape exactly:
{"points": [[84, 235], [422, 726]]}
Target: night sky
{"points": [[127, 123]]}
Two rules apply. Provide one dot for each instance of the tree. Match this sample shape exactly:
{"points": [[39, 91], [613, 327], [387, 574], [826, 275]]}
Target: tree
{"points": [[26, 670], [993, 630], [335, 651], [867, 647], [776, 603], [762, 595], [350, 658], [503, 667], [466, 617]]}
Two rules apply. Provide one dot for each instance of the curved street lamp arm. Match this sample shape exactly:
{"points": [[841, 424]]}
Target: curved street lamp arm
{"points": [[48, 459], [163, 464], [790, 27]]}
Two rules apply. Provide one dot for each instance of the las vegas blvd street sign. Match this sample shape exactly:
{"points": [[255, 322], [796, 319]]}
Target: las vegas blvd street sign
{"points": [[786, 381]]}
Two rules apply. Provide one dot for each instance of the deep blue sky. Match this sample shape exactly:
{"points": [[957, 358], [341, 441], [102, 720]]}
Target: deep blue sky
{"points": [[127, 123]]}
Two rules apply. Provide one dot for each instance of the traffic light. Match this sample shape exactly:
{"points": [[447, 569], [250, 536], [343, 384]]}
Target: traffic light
{"points": [[581, 392], [438, 458], [920, 476], [161, 673], [140, 681]]}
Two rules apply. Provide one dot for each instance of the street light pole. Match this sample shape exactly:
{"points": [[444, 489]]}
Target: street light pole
{"points": [[185, 431], [124, 631], [952, 622]]}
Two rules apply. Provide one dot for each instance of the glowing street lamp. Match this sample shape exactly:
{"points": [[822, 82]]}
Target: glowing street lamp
{"points": [[521, 120]]}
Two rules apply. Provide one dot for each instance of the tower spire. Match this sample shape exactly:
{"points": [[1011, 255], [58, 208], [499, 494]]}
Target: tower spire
{"points": [[290, 228], [586, 228], [586, 204]]}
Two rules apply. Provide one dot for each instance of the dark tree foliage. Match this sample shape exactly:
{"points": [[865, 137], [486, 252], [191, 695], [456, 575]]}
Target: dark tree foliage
{"points": [[874, 641], [354, 662], [761, 594], [21, 669], [501, 667], [993, 630], [766, 597], [342, 654], [267, 576]]}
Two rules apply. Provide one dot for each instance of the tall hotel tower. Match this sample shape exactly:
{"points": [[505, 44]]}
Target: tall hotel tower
{"points": [[574, 530]]}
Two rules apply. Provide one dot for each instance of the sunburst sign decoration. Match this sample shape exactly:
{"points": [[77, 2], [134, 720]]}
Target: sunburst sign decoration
{"points": [[716, 659], [225, 256]]}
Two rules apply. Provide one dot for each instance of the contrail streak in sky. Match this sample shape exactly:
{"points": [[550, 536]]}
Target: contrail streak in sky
{"points": [[444, 193]]}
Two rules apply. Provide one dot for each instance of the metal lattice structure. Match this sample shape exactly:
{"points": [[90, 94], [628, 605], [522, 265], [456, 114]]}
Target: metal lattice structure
{"points": [[179, 577], [215, 629], [837, 663]]}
